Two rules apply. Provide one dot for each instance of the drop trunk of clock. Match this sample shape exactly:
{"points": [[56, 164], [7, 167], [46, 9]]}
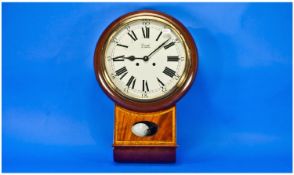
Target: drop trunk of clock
{"points": [[158, 147], [145, 61]]}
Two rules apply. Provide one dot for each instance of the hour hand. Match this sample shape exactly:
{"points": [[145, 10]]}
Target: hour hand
{"points": [[122, 58], [132, 58]]}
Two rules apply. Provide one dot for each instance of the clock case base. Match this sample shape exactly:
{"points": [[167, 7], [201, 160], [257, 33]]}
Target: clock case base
{"points": [[158, 148], [144, 154]]}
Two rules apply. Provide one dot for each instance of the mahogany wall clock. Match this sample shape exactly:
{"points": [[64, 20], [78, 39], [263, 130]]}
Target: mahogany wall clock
{"points": [[145, 61]]}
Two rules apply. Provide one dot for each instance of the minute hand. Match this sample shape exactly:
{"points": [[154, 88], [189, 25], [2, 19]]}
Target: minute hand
{"points": [[158, 48]]}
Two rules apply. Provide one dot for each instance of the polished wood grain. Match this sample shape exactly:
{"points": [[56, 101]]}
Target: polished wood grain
{"points": [[137, 105], [164, 119]]}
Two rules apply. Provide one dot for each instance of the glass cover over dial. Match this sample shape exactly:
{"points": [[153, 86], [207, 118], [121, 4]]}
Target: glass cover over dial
{"points": [[145, 59]]}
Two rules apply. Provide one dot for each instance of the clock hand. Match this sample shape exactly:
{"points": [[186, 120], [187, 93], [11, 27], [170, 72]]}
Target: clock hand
{"points": [[146, 58], [132, 58], [158, 48]]}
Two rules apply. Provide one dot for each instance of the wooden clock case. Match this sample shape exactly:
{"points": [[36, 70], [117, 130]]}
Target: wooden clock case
{"points": [[160, 147]]}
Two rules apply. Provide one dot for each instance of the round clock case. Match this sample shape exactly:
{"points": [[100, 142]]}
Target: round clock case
{"points": [[138, 104]]}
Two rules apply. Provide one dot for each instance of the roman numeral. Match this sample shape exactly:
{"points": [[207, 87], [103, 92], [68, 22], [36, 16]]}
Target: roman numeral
{"points": [[119, 58], [146, 32], [123, 75], [133, 35], [160, 82], [132, 81], [121, 71], [158, 36], [161, 85], [145, 85], [169, 72], [121, 45], [172, 58], [169, 45]]}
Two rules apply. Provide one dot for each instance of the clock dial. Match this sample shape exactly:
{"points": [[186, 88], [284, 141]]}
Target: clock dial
{"points": [[145, 59]]}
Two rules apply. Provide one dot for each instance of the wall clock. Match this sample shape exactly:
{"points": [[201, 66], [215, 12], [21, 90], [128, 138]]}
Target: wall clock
{"points": [[145, 61]]}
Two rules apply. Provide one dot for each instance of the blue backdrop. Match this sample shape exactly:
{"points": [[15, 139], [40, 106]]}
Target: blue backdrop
{"points": [[237, 117]]}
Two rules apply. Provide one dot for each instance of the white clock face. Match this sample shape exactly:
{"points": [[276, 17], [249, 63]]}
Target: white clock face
{"points": [[145, 59]]}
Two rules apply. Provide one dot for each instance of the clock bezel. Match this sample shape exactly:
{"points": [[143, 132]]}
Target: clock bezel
{"points": [[182, 86]]}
